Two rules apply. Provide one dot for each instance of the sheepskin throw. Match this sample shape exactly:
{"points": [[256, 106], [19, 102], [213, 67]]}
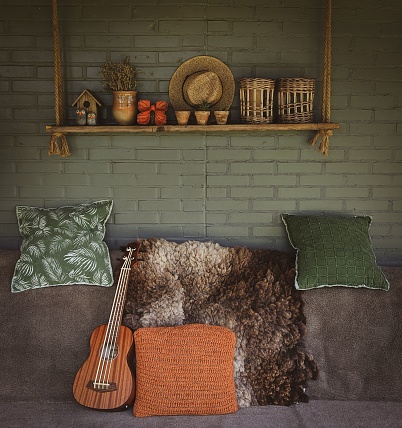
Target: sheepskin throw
{"points": [[248, 291]]}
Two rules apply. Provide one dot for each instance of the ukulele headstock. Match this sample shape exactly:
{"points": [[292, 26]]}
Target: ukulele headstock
{"points": [[131, 254]]}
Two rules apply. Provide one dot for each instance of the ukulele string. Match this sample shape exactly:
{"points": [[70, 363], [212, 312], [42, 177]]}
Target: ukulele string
{"points": [[104, 357], [119, 313]]}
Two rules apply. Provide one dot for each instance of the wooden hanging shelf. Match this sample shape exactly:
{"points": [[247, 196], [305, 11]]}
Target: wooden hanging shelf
{"points": [[58, 142], [115, 129]]}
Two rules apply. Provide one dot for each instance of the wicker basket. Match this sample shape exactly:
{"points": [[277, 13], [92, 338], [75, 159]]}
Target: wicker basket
{"points": [[256, 100], [295, 100]]}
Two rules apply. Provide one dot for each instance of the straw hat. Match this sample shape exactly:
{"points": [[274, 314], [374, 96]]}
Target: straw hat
{"points": [[202, 79]]}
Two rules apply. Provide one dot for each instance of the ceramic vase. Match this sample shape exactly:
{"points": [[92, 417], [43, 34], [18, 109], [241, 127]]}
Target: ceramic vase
{"points": [[124, 107]]}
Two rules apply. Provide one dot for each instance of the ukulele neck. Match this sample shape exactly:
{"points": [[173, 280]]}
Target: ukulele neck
{"points": [[116, 313]]}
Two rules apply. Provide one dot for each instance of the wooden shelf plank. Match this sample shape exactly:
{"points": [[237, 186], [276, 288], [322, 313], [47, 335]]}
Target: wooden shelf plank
{"points": [[115, 129]]}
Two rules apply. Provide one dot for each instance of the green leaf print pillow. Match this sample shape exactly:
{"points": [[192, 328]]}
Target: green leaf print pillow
{"points": [[63, 246]]}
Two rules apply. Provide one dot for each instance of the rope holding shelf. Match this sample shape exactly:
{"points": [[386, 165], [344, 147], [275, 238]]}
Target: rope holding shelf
{"points": [[54, 147], [326, 84]]}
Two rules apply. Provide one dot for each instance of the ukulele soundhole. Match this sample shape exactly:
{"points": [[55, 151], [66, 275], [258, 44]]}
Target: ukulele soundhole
{"points": [[109, 351]]}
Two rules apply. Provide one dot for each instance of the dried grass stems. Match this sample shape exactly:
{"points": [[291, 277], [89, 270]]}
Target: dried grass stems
{"points": [[119, 76]]}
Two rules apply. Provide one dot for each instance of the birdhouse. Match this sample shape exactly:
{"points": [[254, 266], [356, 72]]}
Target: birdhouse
{"points": [[89, 102]]}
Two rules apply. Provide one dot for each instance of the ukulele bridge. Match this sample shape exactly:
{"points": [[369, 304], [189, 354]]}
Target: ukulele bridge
{"points": [[101, 386]]}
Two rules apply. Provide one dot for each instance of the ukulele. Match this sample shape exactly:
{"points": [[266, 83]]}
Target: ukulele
{"points": [[106, 381]]}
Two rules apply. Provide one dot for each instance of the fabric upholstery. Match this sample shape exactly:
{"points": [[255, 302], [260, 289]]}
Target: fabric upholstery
{"points": [[315, 414], [355, 336]]}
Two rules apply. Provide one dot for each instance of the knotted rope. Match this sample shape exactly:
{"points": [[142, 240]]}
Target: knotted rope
{"points": [[54, 148], [326, 84]]}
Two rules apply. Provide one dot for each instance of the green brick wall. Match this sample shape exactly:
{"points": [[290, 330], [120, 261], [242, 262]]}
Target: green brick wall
{"points": [[229, 188]]}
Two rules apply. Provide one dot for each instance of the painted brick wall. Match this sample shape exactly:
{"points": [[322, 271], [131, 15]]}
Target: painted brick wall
{"points": [[228, 188]]}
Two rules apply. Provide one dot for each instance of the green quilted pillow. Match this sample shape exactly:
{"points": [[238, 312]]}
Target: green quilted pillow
{"points": [[333, 251], [63, 246]]}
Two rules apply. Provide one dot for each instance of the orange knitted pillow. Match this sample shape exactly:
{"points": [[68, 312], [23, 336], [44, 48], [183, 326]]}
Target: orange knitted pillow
{"points": [[185, 370]]}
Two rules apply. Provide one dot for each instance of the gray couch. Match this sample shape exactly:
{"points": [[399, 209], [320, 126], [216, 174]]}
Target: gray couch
{"points": [[355, 336]]}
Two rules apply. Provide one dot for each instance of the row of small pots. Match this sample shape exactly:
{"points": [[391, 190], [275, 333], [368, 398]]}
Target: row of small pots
{"points": [[201, 116]]}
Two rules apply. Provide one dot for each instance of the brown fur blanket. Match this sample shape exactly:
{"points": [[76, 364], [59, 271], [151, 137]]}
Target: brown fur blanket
{"points": [[249, 291]]}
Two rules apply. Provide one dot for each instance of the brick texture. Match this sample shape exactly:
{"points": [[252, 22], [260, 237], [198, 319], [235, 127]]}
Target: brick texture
{"points": [[227, 188]]}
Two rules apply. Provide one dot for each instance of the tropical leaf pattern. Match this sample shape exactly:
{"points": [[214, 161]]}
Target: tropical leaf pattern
{"points": [[83, 258], [63, 246]]}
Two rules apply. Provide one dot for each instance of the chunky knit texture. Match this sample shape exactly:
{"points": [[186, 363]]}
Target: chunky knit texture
{"points": [[185, 370]]}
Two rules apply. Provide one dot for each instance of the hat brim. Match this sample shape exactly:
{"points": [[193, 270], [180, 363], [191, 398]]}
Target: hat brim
{"points": [[201, 63]]}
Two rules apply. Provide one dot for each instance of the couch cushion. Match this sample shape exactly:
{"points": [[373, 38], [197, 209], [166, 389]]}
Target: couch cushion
{"points": [[333, 251], [184, 370], [63, 246], [316, 414], [44, 334], [356, 338]]}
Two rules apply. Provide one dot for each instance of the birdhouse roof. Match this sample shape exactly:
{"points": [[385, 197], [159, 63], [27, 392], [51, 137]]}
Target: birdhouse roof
{"points": [[88, 94]]}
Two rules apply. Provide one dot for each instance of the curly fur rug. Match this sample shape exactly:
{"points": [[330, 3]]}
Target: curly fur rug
{"points": [[249, 291]]}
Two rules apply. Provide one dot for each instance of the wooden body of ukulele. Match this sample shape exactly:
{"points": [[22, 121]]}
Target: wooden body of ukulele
{"points": [[116, 393], [105, 381]]}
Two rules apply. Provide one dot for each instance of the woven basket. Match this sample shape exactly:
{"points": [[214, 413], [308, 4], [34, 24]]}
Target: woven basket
{"points": [[256, 100], [295, 100]]}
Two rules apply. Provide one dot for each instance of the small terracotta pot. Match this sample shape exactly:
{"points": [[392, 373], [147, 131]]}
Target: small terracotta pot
{"points": [[182, 116], [221, 116], [124, 107], [202, 116]]}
